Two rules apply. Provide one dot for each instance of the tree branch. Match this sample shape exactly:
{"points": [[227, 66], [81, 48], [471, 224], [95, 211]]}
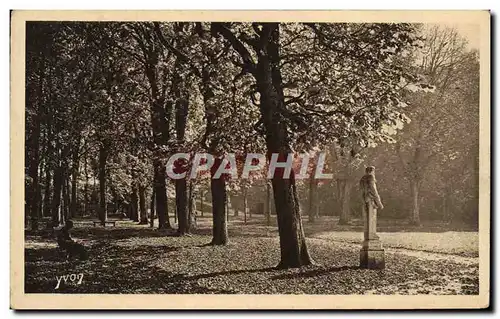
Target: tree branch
{"points": [[181, 56], [248, 61]]}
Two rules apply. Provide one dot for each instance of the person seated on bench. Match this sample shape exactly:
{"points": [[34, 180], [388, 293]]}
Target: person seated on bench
{"points": [[67, 244]]}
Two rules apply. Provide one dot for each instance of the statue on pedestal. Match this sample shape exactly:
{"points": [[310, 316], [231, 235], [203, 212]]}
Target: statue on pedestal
{"points": [[372, 253]]}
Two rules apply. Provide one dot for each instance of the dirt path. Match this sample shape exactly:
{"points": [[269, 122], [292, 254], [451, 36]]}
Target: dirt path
{"points": [[435, 256]]}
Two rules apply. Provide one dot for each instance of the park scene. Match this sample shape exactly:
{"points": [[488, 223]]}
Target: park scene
{"points": [[251, 158]]}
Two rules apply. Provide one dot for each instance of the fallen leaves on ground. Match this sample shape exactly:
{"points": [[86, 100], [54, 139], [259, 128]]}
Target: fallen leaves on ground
{"points": [[137, 259]]}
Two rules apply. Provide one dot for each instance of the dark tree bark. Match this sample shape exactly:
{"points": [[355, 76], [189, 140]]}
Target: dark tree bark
{"points": [[48, 167], [181, 205], [219, 198], [228, 205], [103, 158], [46, 196], [266, 71], [181, 113], [56, 197], [160, 190], [86, 186], [191, 207], [48, 186], [33, 195], [67, 199], [142, 205], [161, 136], [294, 251], [134, 204], [160, 118], [175, 212], [74, 178], [152, 210], [38, 194], [268, 204], [245, 204]]}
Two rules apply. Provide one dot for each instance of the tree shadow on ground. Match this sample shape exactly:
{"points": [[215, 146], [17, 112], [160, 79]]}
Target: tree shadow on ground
{"points": [[43, 254], [238, 232], [315, 272], [224, 273], [109, 269], [120, 233]]}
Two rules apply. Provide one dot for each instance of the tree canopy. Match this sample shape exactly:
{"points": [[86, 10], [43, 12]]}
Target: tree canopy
{"points": [[108, 103]]}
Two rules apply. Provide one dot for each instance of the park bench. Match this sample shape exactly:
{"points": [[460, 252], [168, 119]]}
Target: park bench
{"points": [[94, 223], [82, 222], [108, 222], [43, 223]]}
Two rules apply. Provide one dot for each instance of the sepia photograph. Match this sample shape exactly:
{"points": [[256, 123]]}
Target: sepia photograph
{"points": [[202, 159]]}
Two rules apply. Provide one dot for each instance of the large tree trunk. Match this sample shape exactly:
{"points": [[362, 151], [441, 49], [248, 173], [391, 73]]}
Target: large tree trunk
{"points": [[48, 185], [219, 198], [160, 122], [103, 158], [160, 190], [39, 191], [191, 207], [228, 205], [415, 210], [46, 197], [268, 204], [33, 196], [86, 200], [294, 251], [245, 204], [135, 204], [175, 212], [152, 210], [67, 199], [74, 199], [74, 179], [267, 73], [181, 205], [250, 210], [293, 246], [48, 165], [56, 199], [142, 205], [181, 113]]}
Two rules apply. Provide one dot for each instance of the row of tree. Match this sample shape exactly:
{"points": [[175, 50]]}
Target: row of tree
{"points": [[108, 103]]}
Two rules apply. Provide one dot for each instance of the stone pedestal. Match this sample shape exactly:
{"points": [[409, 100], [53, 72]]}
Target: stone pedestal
{"points": [[371, 255]]}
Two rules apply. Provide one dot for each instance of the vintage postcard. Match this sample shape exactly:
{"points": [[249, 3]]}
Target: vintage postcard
{"points": [[250, 159]]}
